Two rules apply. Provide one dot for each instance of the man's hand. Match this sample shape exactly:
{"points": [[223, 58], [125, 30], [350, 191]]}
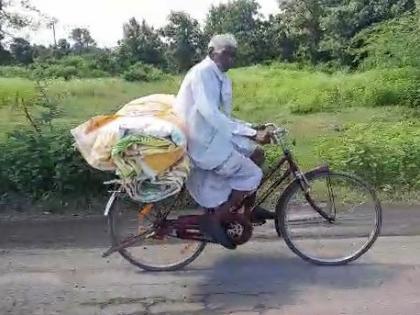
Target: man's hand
{"points": [[263, 136]]}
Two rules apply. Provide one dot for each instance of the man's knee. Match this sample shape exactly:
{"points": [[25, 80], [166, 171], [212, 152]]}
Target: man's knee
{"points": [[258, 156]]}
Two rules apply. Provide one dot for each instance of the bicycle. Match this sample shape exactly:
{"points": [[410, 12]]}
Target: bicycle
{"points": [[325, 217]]}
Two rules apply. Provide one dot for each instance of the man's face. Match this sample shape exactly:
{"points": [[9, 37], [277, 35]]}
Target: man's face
{"points": [[225, 58]]}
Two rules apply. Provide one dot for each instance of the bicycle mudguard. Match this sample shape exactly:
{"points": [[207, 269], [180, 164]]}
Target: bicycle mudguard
{"points": [[321, 168]]}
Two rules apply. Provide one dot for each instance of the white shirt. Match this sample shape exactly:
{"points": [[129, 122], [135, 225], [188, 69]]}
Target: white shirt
{"points": [[204, 102]]}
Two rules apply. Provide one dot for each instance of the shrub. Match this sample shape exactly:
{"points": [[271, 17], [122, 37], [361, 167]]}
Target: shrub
{"points": [[393, 43], [387, 155], [45, 164], [39, 160], [56, 71], [143, 72], [14, 72]]}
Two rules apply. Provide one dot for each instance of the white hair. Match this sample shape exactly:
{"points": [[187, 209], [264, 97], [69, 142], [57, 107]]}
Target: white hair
{"points": [[221, 41]]}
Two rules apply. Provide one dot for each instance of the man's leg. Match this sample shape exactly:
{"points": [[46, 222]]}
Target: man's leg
{"points": [[258, 215], [258, 156], [243, 176], [245, 198], [212, 224]]}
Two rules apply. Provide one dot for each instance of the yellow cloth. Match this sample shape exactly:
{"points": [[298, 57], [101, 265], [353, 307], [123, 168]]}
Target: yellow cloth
{"points": [[144, 142], [96, 137], [160, 162]]}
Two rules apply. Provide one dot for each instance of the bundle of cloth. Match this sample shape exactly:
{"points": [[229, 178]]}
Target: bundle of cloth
{"points": [[143, 143]]}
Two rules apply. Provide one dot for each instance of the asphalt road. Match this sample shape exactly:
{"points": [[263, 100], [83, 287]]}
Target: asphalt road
{"points": [[60, 232], [53, 266], [258, 278]]}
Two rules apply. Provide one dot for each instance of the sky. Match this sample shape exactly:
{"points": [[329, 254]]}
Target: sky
{"points": [[104, 18]]}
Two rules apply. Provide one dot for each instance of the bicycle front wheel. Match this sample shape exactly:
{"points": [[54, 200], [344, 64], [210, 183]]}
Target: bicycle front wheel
{"points": [[354, 218]]}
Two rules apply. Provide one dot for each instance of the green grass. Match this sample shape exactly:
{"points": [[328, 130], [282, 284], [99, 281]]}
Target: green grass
{"points": [[12, 88], [309, 103], [79, 99], [298, 99], [261, 90]]}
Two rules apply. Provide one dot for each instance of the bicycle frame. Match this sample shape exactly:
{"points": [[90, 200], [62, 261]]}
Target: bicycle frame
{"points": [[287, 158], [186, 227], [294, 170]]}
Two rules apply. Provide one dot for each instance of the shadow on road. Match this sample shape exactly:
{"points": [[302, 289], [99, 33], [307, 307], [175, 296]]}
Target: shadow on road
{"points": [[237, 282]]}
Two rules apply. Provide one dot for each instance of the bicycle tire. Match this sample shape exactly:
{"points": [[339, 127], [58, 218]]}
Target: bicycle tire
{"points": [[145, 266], [294, 188]]}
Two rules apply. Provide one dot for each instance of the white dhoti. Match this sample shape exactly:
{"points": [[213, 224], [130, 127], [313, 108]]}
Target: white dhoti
{"points": [[211, 188]]}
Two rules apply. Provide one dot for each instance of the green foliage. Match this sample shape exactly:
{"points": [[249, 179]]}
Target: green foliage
{"points": [[79, 99], [141, 43], [45, 164], [67, 68], [261, 93], [21, 51], [5, 55], [82, 39], [387, 155], [11, 90], [106, 61], [391, 44], [334, 32], [39, 160], [14, 72], [15, 15], [185, 41], [240, 17], [342, 20], [62, 49], [305, 90], [302, 20], [142, 72], [322, 29]]}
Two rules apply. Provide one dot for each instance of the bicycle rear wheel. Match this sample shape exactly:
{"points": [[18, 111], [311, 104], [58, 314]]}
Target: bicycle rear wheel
{"points": [[128, 218], [353, 206]]}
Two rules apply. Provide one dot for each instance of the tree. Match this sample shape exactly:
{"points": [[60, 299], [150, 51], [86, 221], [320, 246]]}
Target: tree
{"points": [[141, 43], [21, 50], [11, 20], [107, 61], [302, 23], [5, 56], [270, 41], [322, 29], [14, 19], [235, 17], [185, 40], [63, 48], [41, 53], [82, 39], [344, 19], [241, 18]]}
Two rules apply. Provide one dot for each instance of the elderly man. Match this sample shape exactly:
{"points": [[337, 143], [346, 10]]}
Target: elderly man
{"points": [[223, 150]]}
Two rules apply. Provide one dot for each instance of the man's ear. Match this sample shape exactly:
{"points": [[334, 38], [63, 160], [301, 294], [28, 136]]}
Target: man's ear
{"points": [[211, 52]]}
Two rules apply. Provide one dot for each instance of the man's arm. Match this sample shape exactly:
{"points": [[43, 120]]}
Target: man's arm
{"points": [[206, 93], [242, 128]]}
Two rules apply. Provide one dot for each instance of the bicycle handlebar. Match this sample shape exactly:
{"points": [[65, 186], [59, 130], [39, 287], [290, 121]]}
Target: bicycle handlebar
{"points": [[278, 132]]}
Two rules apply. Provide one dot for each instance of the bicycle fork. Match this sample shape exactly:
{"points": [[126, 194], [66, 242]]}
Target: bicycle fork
{"points": [[306, 188]]}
